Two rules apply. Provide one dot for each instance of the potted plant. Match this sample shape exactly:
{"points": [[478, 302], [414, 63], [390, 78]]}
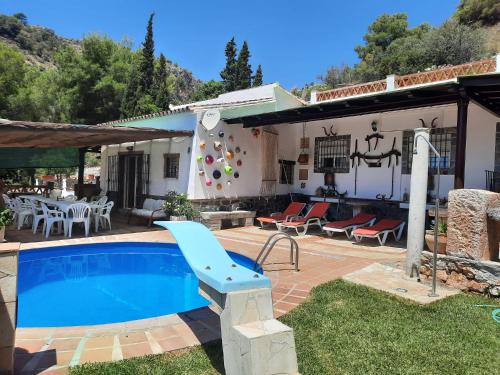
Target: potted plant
{"points": [[442, 228], [178, 207], [5, 219]]}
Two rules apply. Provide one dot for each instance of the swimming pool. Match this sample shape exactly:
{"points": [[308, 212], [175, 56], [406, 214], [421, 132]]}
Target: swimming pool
{"points": [[106, 283]]}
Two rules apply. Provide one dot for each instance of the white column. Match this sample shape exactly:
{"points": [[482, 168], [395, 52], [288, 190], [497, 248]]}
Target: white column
{"points": [[391, 82], [314, 99], [418, 200]]}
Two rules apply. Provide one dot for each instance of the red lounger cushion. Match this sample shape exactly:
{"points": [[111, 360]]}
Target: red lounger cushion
{"points": [[382, 225], [272, 219], [359, 219], [294, 223]]}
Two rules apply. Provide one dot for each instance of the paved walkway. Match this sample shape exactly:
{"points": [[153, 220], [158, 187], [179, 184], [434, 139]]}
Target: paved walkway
{"points": [[52, 350]]}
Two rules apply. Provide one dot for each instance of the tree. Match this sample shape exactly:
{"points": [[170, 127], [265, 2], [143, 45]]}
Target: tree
{"points": [[478, 12], [229, 74], [160, 88], [12, 70], [258, 78], [244, 69], [453, 43], [208, 90], [147, 65], [22, 18], [381, 33], [338, 75]]}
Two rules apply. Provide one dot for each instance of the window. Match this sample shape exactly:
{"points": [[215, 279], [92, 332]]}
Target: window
{"points": [[171, 167], [286, 171], [331, 154], [443, 139]]}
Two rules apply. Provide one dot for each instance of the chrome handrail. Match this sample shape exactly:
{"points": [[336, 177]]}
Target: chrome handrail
{"points": [[269, 245]]}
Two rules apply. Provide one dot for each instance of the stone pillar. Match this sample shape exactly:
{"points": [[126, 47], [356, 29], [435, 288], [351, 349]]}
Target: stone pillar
{"points": [[418, 201], [253, 342], [8, 299], [468, 224]]}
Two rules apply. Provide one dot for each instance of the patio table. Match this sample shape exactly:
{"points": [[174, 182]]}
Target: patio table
{"points": [[62, 205]]}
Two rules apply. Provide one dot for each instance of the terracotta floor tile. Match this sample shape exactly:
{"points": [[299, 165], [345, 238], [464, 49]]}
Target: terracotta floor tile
{"points": [[64, 358], [136, 350], [57, 371], [292, 299], [173, 343], [99, 342], [29, 346], [161, 333], [96, 355], [64, 344], [133, 338]]}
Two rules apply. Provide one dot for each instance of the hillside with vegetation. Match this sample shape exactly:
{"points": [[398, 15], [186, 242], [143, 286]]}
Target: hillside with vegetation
{"points": [[390, 46], [45, 77]]}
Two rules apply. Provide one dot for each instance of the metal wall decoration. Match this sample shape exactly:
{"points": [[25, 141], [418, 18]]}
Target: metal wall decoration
{"points": [[374, 159], [303, 174]]}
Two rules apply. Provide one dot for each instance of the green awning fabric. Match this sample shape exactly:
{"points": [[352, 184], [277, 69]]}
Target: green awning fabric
{"points": [[38, 157]]}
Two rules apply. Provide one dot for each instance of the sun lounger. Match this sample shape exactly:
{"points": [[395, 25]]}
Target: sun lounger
{"points": [[381, 230], [315, 216], [347, 226], [292, 211]]}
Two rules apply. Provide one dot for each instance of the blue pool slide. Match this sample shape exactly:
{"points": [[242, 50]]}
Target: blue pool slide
{"points": [[210, 261]]}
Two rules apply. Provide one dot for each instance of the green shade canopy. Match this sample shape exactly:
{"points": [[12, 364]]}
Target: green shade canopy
{"points": [[38, 158]]}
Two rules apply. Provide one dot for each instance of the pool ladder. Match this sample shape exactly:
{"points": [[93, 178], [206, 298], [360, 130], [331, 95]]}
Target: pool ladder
{"points": [[269, 245]]}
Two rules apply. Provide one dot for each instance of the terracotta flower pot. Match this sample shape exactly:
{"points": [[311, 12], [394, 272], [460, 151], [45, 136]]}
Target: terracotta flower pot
{"points": [[429, 240]]}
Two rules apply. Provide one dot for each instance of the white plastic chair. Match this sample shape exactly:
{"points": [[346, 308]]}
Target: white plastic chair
{"points": [[9, 203], [70, 198], [23, 212], [56, 193], [51, 217], [38, 215], [78, 213], [84, 199], [102, 200], [102, 215]]}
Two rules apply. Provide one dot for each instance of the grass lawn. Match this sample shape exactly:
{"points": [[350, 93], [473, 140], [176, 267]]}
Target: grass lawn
{"points": [[350, 329]]}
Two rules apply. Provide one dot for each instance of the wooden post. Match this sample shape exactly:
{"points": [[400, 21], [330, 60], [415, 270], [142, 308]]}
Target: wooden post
{"points": [[462, 108], [81, 165]]}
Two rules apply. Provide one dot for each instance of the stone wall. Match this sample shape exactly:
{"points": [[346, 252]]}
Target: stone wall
{"points": [[8, 301], [465, 274], [468, 232]]}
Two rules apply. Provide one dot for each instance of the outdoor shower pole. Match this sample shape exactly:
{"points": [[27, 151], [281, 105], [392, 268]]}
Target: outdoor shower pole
{"points": [[418, 201]]}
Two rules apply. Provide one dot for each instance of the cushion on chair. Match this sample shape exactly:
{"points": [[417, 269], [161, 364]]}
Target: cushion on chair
{"points": [[359, 219], [147, 213], [272, 219], [382, 225]]}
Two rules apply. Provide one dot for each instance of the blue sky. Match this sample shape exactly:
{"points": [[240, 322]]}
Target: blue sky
{"points": [[295, 41]]}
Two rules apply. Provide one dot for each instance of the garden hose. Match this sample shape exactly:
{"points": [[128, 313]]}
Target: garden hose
{"points": [[495, 314]]}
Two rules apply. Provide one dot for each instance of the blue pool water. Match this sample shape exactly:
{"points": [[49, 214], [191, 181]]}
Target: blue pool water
{"points": [[106, 283]]}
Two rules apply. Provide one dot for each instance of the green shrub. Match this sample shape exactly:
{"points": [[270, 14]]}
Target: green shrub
{"points": [[5, 217], [179, 205]]}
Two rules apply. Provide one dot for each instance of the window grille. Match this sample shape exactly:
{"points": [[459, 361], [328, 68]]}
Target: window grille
{"points": [[113, 173], [286, 171], [171, 165], [331, 154], [443, 139]]}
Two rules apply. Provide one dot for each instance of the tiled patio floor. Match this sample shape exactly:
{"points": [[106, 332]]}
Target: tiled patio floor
{"points": [[52, 350]]}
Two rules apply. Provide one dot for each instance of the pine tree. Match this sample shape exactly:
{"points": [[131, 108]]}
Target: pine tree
{"points": [[244, 69], [146, 69], [257, 79], [131, 95], [160, 88], [229, 73]]}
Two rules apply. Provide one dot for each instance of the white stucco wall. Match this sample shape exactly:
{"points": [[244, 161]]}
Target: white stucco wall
{"points": [[372, 181], [250, 172], [159, 185]]}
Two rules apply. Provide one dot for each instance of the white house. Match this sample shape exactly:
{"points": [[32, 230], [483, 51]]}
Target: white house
{"points": [[362, 134]]}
